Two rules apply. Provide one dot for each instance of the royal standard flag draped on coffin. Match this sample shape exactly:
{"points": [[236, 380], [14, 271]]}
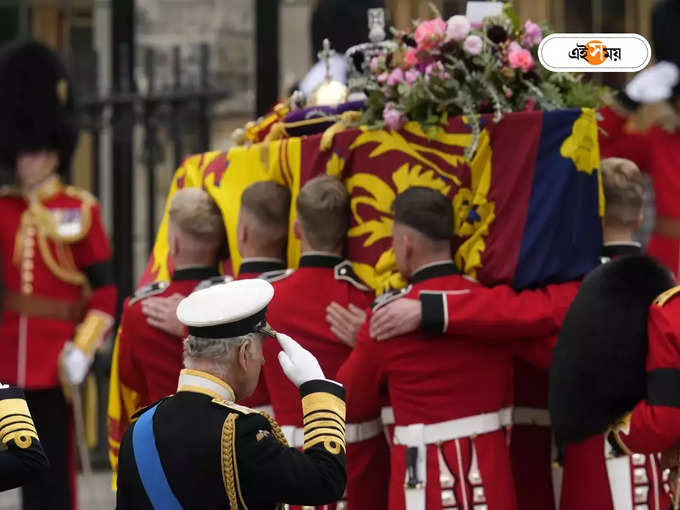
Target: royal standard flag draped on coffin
{"points": [[527, 206]]}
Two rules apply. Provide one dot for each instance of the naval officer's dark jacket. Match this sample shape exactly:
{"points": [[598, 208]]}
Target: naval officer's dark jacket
{"points": [[22, 457], [199, 433]]}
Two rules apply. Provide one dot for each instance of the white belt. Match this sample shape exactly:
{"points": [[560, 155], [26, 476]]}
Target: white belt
{"points": [[419, 434], [387, 416], [531, 416], [354, 432], [264, 409]]}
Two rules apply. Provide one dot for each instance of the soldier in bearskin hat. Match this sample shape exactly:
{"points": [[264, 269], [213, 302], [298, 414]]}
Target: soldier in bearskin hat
{"points": [[599, 374], [58, 295]]}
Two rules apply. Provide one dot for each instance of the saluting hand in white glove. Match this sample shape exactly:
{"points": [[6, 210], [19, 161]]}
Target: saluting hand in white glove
{"points": [[299, 365]]}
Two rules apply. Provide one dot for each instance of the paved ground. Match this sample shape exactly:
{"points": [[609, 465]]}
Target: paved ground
{"points": [[96, 498]]}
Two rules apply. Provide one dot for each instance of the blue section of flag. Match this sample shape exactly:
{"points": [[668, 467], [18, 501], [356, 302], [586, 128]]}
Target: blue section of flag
{"points": [[563, 231]]}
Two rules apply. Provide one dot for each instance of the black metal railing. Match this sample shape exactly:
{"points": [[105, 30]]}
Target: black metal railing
{"points": [[159, 109]]}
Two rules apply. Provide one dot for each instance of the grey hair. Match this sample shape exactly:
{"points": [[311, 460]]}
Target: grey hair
{"points": [[217, 350]]}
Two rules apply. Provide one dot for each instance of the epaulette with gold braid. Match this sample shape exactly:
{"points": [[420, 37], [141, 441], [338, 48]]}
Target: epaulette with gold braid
{"points": [[83, 195], [664, 297], [233, 406]]}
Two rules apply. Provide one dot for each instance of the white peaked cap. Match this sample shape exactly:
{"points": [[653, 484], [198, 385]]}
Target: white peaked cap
{"points": [[227, 310]]}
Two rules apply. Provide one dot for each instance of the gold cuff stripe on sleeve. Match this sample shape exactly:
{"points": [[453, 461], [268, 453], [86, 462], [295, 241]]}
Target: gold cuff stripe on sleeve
{"points": [[312, 429], [9, 426], [335, 433], [21, 438], [10, 406], [333, 446], [322, 401], [322, 415], [91, 331], [14, 418], [16, 426], [334, 424]]}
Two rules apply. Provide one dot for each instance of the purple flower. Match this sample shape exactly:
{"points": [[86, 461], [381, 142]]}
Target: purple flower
{"points": [[393, 118], [473, 44], [457, 28], [532, 33], [411, 76], [395, 77]]}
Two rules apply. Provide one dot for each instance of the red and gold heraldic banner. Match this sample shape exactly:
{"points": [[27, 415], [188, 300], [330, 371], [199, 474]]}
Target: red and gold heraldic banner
{"points": [[527, 206]]}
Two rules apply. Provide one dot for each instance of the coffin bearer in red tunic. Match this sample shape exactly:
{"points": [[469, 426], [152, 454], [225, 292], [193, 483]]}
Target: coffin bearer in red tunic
{"points": [[299, 307], [58, 289], [449, 398], [262, 232], [146, 359]]}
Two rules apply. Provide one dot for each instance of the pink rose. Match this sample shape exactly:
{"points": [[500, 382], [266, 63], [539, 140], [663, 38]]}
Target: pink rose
{"points": [[382, 77], [393, 118], [411, 76], [521, 59], [395, 77], [411, 57], [430, 33], [457, 28], [532, 33], [374, 64], [473, 44], [514, 46]]}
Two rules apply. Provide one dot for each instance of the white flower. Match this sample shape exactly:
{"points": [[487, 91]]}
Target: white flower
{"points": [[457, 28], [473, 44]]}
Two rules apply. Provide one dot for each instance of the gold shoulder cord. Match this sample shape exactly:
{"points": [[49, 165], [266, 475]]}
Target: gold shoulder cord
{"points": [[276, 430], [228, 437]]}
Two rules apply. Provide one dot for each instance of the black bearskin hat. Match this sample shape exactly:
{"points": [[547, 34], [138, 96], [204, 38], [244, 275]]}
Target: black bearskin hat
{"points": [[36, 101], [598, 367]]}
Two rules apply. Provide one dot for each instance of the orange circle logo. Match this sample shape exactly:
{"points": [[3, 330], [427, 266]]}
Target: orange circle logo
{"points": [[595, 54]]}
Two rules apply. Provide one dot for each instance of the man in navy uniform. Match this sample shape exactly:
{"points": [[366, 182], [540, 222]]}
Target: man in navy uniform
{"points": [[198, 449]]}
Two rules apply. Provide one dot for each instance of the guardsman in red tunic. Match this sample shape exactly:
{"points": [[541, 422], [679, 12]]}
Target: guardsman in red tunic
{"points": [[654, 424], [58, 287], [643, 125], [594, 475], [299, 307], [586, 479], [147, 359], [261, 235], [449, 398]]}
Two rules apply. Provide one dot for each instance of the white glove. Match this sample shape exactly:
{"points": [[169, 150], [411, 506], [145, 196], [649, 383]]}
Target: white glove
{"points": [[654, 84], [299, 365], [3, 386], [75, 364]]}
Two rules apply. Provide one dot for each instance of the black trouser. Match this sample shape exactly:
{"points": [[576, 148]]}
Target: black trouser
{"points": [[51, 490]]}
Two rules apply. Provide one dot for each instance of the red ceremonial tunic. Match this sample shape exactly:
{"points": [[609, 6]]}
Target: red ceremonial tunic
{"points": [[299, 310], [431, 382], [267, 269], [654, 424], [52, 250], [656, 152]]}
